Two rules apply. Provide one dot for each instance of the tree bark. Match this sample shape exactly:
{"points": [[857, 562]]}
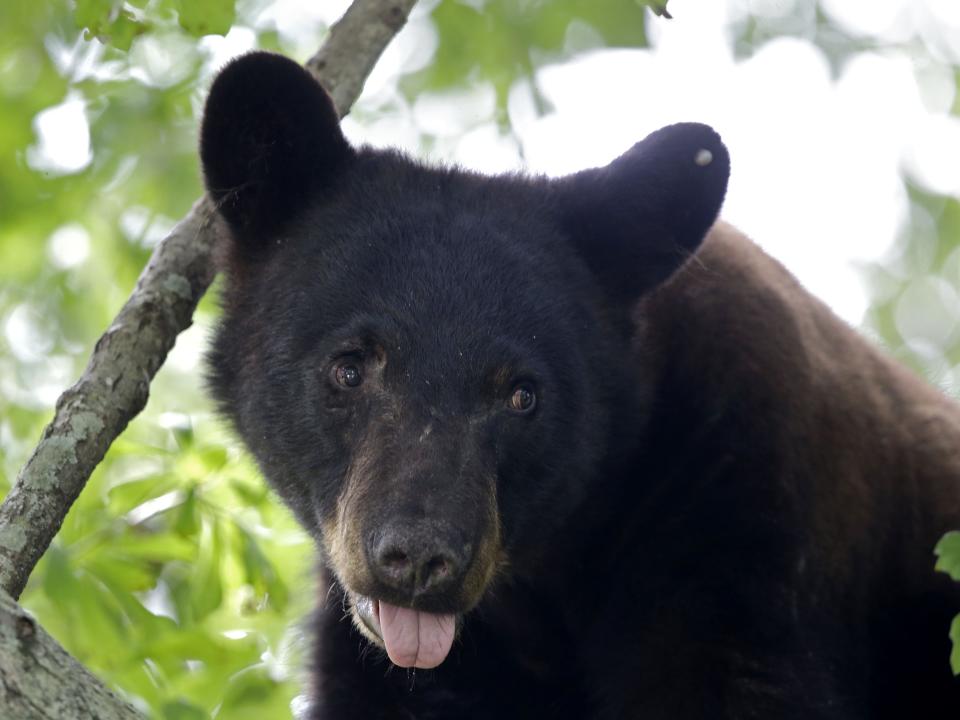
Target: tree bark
{"points": [[38, 678], [116, 383]]}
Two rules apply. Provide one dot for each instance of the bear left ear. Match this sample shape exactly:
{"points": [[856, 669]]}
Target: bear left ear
{"points": [[637, 220], [270, 137]]}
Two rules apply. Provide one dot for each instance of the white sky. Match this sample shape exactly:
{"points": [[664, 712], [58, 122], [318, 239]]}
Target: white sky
{"points": [[816, 160]]}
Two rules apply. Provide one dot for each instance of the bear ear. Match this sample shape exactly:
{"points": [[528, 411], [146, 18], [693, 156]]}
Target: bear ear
{"points": [[637, 220], [270, 136]]}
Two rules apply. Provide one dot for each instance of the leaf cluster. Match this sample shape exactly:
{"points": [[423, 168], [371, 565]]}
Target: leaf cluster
{"points": [[119, 22]]}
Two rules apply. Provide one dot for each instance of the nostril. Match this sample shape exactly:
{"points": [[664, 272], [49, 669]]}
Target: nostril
{"points": [[395, 567], [394, 559], [435, 572], [437, 568]]}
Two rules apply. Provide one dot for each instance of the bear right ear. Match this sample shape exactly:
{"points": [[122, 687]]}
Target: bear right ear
{"points": [[270, 136]]}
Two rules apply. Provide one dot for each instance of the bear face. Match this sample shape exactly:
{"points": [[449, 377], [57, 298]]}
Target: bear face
{"points": [[432, 368]]}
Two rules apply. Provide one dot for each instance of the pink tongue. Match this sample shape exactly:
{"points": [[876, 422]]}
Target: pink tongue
{"points": [[414, 638]]}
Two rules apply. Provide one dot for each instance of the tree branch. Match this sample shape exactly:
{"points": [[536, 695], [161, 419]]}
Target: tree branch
{"points": [[39, 680], [115, 385], [338, 66]]}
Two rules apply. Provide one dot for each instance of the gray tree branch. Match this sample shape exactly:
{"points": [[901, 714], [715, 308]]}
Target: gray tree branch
{"points": [[115, 385], [39, 680]]}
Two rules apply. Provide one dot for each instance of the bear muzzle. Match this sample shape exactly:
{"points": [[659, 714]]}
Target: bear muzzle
{"points": [[413, 551], [417, 568], [414, 581]]}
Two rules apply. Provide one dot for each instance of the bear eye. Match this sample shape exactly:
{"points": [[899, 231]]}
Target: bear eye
{"points": [[523, 398], [348, 375]]}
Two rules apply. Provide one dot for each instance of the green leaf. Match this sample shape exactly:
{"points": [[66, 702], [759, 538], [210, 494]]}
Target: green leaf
{"points": [[109, 22], [261, 574], [187, 522], [252, 494], [102, 629], [124, 31], [124, 497], [59, 581], [182, 710], [183, 435], [213, 457], [955, 652], [206, 588], [199, 644], [252, 695], [121, 573], [162, 547], [948, 554], [95, 15], [214, 17]]}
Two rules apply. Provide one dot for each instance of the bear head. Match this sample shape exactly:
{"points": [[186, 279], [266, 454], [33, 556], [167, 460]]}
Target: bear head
{"points": [[432, 367]]}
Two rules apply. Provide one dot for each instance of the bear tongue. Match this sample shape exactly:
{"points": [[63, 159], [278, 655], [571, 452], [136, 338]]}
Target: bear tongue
{"points": [[415, 638]]}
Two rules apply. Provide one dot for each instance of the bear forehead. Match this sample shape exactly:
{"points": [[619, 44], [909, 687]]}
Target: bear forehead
{"points": [[391, 203], [431, 246]]}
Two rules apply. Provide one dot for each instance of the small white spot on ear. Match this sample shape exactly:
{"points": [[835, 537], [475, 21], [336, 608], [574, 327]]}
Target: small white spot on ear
{"points": [[426, 431], [703, 157]]}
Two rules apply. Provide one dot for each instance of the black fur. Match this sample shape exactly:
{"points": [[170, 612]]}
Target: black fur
{"points": [[723, 504]]}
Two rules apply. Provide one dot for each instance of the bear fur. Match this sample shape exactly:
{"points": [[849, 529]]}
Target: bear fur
{"points": [[569, 448]]}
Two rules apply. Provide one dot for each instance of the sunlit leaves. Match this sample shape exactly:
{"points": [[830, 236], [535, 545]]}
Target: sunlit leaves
{"points": [[948, 555], [913, 294], [955, 650], [99, 17], [948, 561], [203, 17], [181, 710], [110, 23], [117, 23], [175, 584], [251, 696], [499, 41]]}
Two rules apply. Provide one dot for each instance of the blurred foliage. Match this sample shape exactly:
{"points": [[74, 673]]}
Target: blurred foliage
{"points": [[117, 23], [508, 39], [176, 576], [915, 293], [948, 561]]}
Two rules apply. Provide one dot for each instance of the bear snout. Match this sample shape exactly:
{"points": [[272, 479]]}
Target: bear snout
{"points": [[418, 559]]}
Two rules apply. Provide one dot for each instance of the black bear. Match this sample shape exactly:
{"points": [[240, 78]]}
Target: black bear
{"points": [[569, 448]]}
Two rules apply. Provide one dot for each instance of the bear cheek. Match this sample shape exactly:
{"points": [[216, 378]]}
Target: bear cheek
{"points": [[341, 534], [491, 557]]}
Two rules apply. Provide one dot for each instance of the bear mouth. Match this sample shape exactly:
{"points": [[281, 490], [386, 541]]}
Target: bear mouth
{"points": [[411, 638]]}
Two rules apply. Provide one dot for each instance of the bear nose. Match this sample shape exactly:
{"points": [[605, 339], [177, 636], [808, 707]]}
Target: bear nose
{"points": [[416, 560]]}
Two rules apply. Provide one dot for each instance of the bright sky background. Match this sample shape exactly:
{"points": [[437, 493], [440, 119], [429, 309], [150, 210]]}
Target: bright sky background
{"points": [[816, 159]]}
